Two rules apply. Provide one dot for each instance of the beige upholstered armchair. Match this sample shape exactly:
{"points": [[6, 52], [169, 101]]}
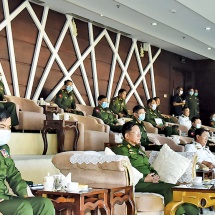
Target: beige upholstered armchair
{"points": [[86, 109], [93, 135], [29, 113]]}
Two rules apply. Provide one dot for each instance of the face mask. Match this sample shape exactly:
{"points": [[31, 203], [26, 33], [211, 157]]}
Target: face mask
{"points": [[198, 125], [154, 106], [195, 94], [104, 104], [4, 137], [191, 93], [213, 118], [69, 88], [181, 92], [141, 116], [0, 78]]}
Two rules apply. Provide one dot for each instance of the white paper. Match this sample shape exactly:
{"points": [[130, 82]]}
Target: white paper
{"points": [[158, 121]]}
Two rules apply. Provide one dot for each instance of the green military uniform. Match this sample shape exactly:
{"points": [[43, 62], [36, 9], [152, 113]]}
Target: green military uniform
{"points": [[150, 117], [157, 111], [66, 100], [18, 205], [140, 161], [192, 104], [9, 106], [118, 105], [108, 117]]}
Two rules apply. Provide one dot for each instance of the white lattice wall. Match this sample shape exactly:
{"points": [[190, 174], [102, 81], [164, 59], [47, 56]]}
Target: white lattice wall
{"points": [[67, 74]]}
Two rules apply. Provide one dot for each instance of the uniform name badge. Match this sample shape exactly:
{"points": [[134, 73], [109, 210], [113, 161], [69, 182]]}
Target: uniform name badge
{"points": [[4, 153]]}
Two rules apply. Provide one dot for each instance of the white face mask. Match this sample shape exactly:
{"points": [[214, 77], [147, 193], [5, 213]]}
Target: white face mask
{"points": [[4, 136], [198, 125], [181, 92], [154, 106]]}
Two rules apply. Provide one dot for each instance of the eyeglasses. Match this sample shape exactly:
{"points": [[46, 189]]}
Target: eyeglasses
{"points": [[136, 132]]}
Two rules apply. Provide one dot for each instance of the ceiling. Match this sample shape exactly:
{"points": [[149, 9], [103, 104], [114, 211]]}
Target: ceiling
{"points": [[181, 24]]}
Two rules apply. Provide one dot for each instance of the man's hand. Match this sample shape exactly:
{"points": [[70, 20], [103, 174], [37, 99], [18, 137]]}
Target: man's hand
{"points": [[152, 177], [208, 164]]}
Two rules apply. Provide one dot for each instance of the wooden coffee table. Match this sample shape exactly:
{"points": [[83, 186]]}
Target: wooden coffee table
{"points": [[118, 194], [202, 198], [78, 202]]}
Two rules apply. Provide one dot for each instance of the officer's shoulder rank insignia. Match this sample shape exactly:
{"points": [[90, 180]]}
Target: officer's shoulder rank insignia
{"points": [[60, 95], [4, 153], [97, 110], [128, 146]]}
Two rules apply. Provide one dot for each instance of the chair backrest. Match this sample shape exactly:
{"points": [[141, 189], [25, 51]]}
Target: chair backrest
{"points": [[25, 104], [150, 128], [85, 108]]}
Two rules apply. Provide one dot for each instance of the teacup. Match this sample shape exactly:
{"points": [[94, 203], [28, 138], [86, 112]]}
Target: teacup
{"points": [[197, 180], [72, 186]]}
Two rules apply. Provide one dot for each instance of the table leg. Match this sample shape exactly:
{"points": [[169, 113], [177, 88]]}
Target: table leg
{"points": [[44, 136]]}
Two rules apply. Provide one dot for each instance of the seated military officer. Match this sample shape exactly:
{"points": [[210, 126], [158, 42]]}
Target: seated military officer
{"points": [[212, 120], [9, 106], [150, 182], [103, 112], [184, 118], [66, 99], [20, 204], [157, 121], [196, 123], [138, 117], [118, 105], [204, 155]]}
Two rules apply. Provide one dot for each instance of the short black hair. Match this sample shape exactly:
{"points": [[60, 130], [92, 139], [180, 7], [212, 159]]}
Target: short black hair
{"points": [[185, 107], [65, 82], [4, 114], [194, 119], [150, 100], [137, 108], [127, 127], [190, 88], [199, 132], [178, 88], [101, 97], [156, 98], [121, 91]]}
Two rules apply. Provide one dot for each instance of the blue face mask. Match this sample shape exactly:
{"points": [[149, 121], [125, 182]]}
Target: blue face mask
{"points": [[104, 104], [196, 94], [213, 118], [69, 88], [141, 116], [191, 93], [154, 106]]}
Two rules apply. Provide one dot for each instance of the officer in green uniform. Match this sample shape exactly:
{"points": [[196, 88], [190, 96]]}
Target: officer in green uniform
{"points": [[196, 94], [66, 99], [152, 115], [20, 204], [9, 106], [138, 117], [150, 182], [103, 112], [212, 120], [191, 103], [118, 105], [196, 123]]}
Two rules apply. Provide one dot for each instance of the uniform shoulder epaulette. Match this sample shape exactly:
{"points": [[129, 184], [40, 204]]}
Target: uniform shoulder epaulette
{"points": [[129, 146], [119, 145]]}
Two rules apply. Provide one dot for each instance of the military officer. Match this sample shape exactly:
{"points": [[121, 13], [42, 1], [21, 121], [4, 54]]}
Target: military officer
{"points": [[196, 123], [66, 99], [196, 94], [9, 106], [184, 118], [138, 119], [20, 204], [156, 120], [178, 102], [118, 105], [204, 155], [150, 182], [191, 103], [103, 112], [212, 120]]}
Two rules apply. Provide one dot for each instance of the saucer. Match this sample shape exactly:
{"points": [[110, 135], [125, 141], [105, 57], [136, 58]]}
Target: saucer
{"points": [[197, 184], [73, 191]]}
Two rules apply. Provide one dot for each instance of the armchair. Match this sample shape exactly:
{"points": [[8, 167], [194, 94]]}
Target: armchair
{"points": [[30, 114]]}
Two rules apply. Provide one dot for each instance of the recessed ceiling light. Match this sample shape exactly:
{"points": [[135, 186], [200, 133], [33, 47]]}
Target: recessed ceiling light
{"points": [[101, 14], [173, 11], [154, 23], [209, 48], [208, 28]]}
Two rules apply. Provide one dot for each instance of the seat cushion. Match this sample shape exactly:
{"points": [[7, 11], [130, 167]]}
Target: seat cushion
{"points": [[149, 202]]}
